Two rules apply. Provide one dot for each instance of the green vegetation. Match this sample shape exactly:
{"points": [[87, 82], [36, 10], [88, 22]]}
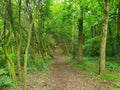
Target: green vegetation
{"points": [[30, 31], [6, 81], [90, 68]]}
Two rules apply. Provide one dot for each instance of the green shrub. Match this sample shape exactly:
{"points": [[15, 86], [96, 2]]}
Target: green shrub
{"points": [[2, 61], [6, 81], [32, 68], [42, 64], [3, 72], [13, 57]]}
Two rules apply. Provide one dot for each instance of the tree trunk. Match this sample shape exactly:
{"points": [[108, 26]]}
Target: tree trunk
{"points": [[28, 43], [118, 34], [26, 59], [66, 47], [104, 38], [73, 38], [11, 66], [92, 53], [18, 43], [6, 41], [80, 39], [111, 39]]}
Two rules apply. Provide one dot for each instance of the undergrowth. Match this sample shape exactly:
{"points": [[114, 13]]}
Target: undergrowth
{"points": [[5, 80], [90, 68]]}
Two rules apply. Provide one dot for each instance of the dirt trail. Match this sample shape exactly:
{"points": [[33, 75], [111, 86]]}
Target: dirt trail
{"points": [[62, 76], [66, 77]]}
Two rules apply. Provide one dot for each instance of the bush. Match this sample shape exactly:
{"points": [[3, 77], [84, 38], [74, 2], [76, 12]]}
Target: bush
{"points": [[3, 72], [42, 64], [2, 61], [32, 68], [6, 81]]}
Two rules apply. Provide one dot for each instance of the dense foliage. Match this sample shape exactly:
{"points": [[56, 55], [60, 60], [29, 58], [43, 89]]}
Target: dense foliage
{"points": [[30, 30]]}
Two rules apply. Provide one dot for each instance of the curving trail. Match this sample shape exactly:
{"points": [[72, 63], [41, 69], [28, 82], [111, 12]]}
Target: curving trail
{"points": [[66, 77], [62, 76]]}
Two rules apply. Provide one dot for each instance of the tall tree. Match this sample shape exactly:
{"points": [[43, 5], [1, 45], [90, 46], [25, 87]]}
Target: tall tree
{"points": [[19, 41], [118, 33], [28, 42], [80, 38], [7, 39], [104, 37]]}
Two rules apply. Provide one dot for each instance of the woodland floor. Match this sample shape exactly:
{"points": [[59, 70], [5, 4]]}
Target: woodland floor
{"points": [[62, 76]]}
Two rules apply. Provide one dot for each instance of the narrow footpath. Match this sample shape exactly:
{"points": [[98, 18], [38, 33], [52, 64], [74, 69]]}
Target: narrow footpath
{"points": [[66, 77], [62, 76]]}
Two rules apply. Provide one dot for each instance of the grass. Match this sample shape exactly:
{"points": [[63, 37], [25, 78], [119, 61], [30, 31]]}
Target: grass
{"points": [[90, 68]]}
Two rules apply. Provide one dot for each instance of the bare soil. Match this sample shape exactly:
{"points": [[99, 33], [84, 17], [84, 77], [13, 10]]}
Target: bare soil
{"points": [[66, 77]]}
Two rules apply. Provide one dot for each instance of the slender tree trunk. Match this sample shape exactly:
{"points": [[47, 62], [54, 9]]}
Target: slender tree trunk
{"points": [[92, 53], [80, 39], [11, 66], [18, 43], [118, 34], [16, 35], [26, 59], [5, 46], [111, 44], [28, 42], [7, 39], [34, 47], [72, 38], [72, 41], [66, 47], [104, 37]]}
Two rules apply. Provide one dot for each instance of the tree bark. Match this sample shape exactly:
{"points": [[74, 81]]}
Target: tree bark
{"points": [[104, 38], [92, 53], [80, 39], [18, 43], [31, 18], [111, 39], [73, 38], [118, 34], [11, 66], [66, 47], [7, 39], [26, 59]]}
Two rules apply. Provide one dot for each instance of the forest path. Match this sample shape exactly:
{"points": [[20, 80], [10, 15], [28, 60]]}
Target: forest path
{"points": [[62, 76], [66, 77]]}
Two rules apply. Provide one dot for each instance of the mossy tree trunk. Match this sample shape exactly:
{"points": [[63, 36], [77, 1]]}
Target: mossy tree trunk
{"points": [[11, 66], [118, 34], [6, 40], [26, 54], [26, 59], [31, 18], [104, 37], [19, 42]]}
